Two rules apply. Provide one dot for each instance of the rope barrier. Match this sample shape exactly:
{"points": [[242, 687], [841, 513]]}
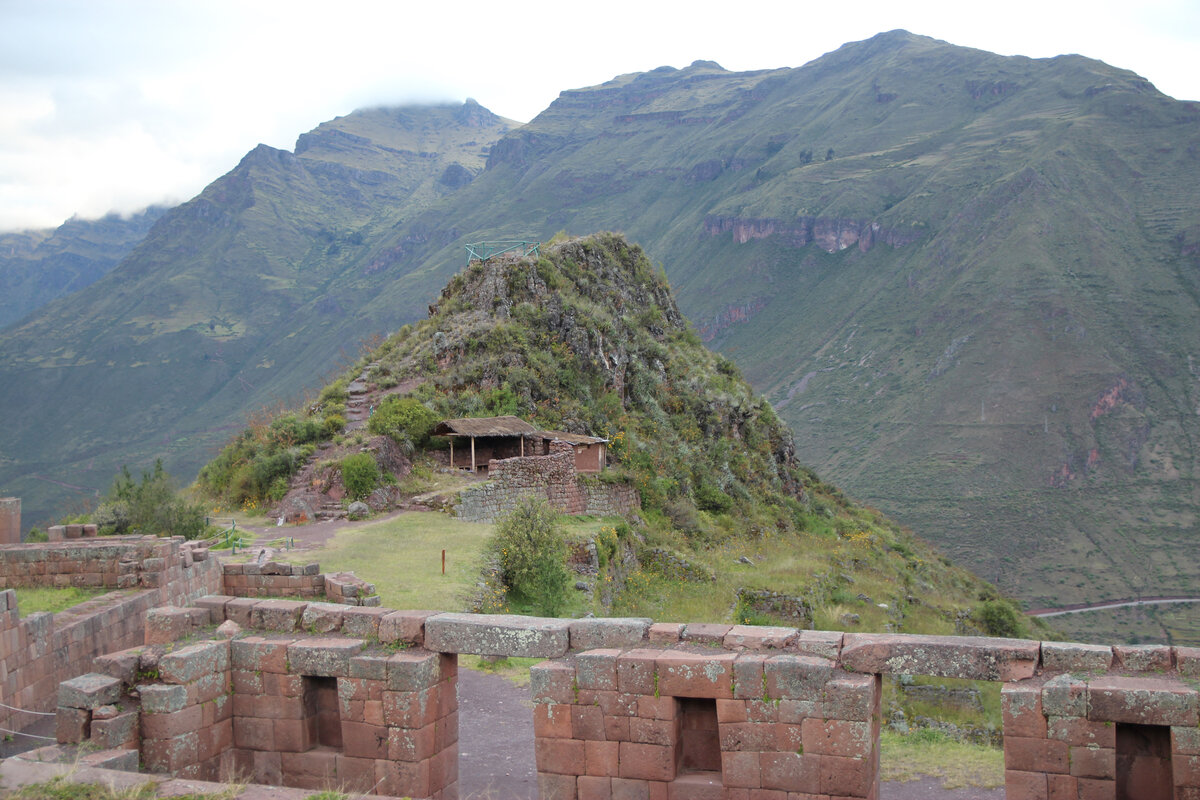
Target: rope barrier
{"points": [[27, 711], [30, 735]]}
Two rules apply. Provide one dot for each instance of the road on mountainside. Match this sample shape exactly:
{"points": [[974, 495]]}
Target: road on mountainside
{"points": [[1081, 607]]}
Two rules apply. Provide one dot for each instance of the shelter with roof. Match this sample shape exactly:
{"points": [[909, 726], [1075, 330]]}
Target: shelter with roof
{"points": [[481, 439]]}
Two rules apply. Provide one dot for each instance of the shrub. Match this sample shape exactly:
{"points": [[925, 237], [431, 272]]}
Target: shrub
{"points": [[403, 419], [1000, 618], [334, 423], [360, 474], [148, 507], [533, 556]]}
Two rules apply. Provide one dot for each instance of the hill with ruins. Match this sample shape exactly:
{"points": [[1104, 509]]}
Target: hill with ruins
{"points": [[586, 338], [966, 281]]}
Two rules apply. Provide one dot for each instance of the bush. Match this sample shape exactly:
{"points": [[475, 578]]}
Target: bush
{"points": [[149, 507], [360, 474], [403, 419], [533, 556], [1001, 618]]}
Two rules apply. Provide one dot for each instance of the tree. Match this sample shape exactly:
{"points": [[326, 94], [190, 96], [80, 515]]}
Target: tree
{"points": [[148, 507], [533, 556]]}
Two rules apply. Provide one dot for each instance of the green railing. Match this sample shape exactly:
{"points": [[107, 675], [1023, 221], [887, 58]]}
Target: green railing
{"points": [[482, 251]]}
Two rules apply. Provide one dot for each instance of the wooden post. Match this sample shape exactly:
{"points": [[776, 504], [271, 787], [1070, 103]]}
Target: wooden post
{"points": [[443, 562], [451, 452], [522, 445], [472, 454]]}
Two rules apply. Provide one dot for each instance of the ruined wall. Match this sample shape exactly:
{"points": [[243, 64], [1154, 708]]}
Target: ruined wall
{"points": [[553, 477], [40, 651], [277, 579], [10, 520]]}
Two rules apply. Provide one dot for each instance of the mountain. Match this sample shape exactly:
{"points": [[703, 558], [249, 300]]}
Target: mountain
{"points": [[967, 281], [229, 303], [39, 266], [585, 337]]}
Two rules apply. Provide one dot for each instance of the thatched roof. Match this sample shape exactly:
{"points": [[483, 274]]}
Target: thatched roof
{"points": [[570, 438], [484, 426]]}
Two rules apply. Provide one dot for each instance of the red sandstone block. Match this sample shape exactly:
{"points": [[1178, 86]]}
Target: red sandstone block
{"points": [[847, 777], [790, 677], [1143, 657], [1021, 708], [587, 722], [1187, 661], [1096, 789], [684, 674], [293, 735], [411, 709], [246, 682], [72, 725], [1184, 741], [355, 774], [552, 682], [740, 769], [630, 789], [651, 731], [602, 758], [372, 712], [697, 786], [666, 632], [1187, 770], [164, 726], [360, 740], [762, 711], [1062, 787], [616, 729], [1079, 732], [1026, 785], [447, 696], [240, 610], [970, 657], [790, 771], [1093, 762], [560, 756], [446, 733], [1143, 701], [1036, 755], [260, 653], [646, 706], [443, 769], [277, 685], [363, 622], [838, 738], [597, 669], [594, 788], [411, 744], [748, 679], [636, 671], [169, 755], [650, 762], [705, 632], [327, 657], [556, 786], [731, 711], [852, 697], [759, 637], [404, 626], [751, 736]]}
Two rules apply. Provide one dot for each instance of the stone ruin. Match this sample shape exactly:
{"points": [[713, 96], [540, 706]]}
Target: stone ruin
{"points": [[313, 694]]}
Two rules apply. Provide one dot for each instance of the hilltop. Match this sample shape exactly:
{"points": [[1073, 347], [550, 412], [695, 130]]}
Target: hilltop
{"points": [[966, 281], [587, 338]]}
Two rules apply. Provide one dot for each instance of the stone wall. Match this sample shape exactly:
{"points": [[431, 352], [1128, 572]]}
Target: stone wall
{"points": [[552, 477], [10, 520], [277, 579], [41, 650]]}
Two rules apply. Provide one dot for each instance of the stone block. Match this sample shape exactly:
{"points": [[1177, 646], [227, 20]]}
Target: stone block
{"points": [[370, 667], [790, 771], [413, 670], [756, 736], [846, 777], [835, 737], [741, 769], [560, 756], [552, 720], [322, 617], [122, 665], [636, 671], [1142, 701], [323, 657], [1036, 755], [967, 657], [1093, 762], [1073, 657], [1021, 709], [497, 635], [1143, 657], [241, 610], [260, 654], [650, 762], [1079, 732], [72, 725], [190, 663], [608, 632], [790, 677], [89, 691], [277, 615], [161, 698], [411, 709], [362, 622], [558, 787], [404, 626], [704, 633], [552, 682], [748, 680], [1187, 661], [686, 674], [851, 697], [759, 637], [1064, 696], [597, 669], [215, 603], [170, 623], [665, 632]]}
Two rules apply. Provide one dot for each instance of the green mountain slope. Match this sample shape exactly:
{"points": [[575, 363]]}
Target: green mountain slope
{"points": [[229, 303], [587, 338], [39, 266], [967, 282]]}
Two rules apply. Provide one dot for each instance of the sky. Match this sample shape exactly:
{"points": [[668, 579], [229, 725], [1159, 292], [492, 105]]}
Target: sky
{"points": [[113, 105]]}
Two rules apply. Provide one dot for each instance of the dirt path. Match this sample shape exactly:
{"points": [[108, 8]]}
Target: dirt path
{"points": [[495, 748], [1107, 604]]}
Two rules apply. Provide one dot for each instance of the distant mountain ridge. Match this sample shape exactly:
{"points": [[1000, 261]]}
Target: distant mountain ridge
{"points": [[968, 282], [37, 266]]}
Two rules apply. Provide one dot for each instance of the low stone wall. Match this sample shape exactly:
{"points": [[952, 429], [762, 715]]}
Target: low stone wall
{"points": [[40, 651], [277, 579], [552, 477]]}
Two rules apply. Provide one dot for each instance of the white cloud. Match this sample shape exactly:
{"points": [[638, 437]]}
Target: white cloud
{"points": [[119, 104]]}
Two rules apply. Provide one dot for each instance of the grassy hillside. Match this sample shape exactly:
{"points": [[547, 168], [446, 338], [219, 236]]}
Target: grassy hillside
{"points": [[588, 338]]}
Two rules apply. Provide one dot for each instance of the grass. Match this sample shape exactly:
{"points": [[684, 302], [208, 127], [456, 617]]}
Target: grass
{"points": [[403, 558], [928, 753], [63, 788], [53, 599], [512, 669]]}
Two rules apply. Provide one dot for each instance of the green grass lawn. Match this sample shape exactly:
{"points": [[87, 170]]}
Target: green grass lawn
{"points": [[403, 558], [53, 599], [922, 753]]}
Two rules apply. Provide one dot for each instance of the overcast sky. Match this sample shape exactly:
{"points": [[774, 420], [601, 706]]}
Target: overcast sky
{"points": [[117, 104]]}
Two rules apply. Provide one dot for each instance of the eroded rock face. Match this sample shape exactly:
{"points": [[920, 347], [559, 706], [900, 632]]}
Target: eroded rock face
{"points": [[831, 234]]}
